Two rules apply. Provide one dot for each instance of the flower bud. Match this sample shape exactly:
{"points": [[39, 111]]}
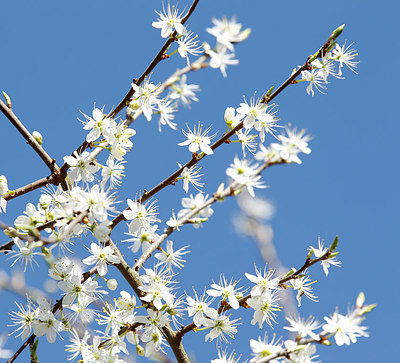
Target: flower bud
{"points": [[140, 350], [3, 185], [360, 300], [38, 137], [8, 99], [112, 284], [334, 244]]}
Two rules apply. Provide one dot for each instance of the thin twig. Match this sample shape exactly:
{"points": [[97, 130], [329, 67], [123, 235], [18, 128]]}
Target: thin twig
{"points": [[8, 112]]}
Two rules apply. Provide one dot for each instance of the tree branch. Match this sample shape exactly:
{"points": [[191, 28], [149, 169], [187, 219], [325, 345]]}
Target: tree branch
{"points": [[50, 162]]}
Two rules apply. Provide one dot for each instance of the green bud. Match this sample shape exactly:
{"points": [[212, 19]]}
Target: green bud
{"points": [[244, 34], [10, 232], [360, 300], [337, 32], [269, 92], [46, 251], [38, 137], [334, 244], [309, 255], [367, 309], [8, 99], [290, 273]]}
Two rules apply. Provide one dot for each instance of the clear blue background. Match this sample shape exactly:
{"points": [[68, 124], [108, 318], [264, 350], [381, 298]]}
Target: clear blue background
{"points": [[58, 57]]}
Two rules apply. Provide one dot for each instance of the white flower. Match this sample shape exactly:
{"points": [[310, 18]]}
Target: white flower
{"points": [[303, 285], [261, 348], [101, 256], [126, 305], [96, 124], [228, 32], [101, 231], [173, 222], [188, 45], [345, 56], [303, 327], [26, 252], [154, 342], [198, 308], [142, 238], [264, 281], [183, 92], [82, 166], [166, 108], [346, 328], [220, 58], [191, 176], [46, 323], [146, 97], [301, 353], [96, 201], [75, 289], [319, 252], [156, 286], [251, 113], [77, 344], [33, 218], [245, 174], [326, 66], [266, 123], [227, 292], [247, 140], [169, 21], [114, 171], [231, 119], [118, 137], [80, 311], [190, 203], [265, 306], [198, 140], [224, 358], [220, 325], [291, 146], [112, 318], [170, 257], [315, 78], [141, 215], [23, 319]]}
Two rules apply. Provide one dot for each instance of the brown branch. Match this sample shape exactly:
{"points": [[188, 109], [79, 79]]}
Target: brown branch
{"points": [[7, 111], [51, 179]]}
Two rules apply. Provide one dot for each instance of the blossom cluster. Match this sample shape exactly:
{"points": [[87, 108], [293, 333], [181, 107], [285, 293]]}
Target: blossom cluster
{"points": [[87, 208], [330, 63]]}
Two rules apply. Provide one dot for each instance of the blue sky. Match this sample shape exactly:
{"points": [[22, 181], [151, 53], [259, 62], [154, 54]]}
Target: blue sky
{"points": [[62, 57]]}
